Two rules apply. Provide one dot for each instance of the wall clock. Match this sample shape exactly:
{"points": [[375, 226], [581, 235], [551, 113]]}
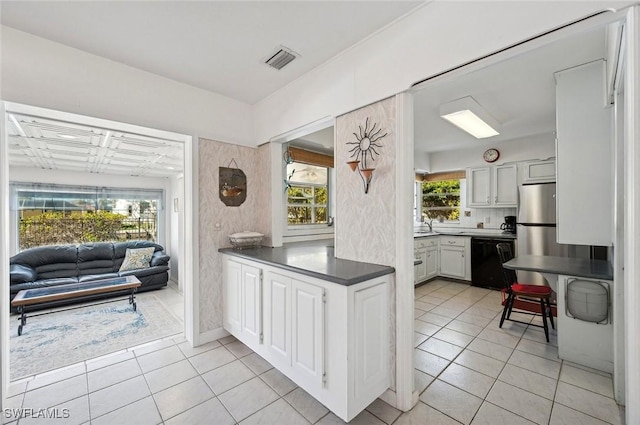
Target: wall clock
{"points": [[491, 155]]}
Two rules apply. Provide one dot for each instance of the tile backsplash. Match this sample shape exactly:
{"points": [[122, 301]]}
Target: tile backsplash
{"points": [[495, 218]]}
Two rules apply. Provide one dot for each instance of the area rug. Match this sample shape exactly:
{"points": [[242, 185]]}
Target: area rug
{"points": [[66, 337]]}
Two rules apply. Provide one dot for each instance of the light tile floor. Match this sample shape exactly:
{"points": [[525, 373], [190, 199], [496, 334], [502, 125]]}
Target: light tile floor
{"points": [[468, 371]]}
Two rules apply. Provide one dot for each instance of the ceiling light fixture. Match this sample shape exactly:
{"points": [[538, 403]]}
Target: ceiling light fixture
{"points": [[470, 116], [66, 136]]}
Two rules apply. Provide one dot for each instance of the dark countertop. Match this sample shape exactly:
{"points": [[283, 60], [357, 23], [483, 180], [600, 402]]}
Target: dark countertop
{"points": [[580, 267], [313, 260], [468, 233]]}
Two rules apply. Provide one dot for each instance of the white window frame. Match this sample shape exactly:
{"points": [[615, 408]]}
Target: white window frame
{"points": [[419, 196]]}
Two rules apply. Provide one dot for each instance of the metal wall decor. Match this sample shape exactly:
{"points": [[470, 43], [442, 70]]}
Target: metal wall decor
{"points": [[288, 159], [233, 185], [365, 145]]}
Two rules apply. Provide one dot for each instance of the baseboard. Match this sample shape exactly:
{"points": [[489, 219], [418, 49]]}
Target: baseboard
{"points": [[212, 335]]}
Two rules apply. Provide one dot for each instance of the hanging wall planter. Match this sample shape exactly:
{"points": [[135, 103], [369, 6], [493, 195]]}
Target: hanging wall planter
{"points": [[233, 185]]}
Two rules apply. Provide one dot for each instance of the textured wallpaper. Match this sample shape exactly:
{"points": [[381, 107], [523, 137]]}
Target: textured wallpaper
{"points": [[365, 223], [254, 214]]}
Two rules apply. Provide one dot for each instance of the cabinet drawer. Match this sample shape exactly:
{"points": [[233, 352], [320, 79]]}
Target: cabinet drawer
{"points": [[425, 242], [453, 241]]}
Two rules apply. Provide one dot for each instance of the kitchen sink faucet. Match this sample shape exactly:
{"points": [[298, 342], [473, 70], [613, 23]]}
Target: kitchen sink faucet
{"points": [[429, 223]]}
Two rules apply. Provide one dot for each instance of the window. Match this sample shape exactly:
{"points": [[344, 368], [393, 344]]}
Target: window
{"points": [[307, 194], [440, 200], [55, 214]]}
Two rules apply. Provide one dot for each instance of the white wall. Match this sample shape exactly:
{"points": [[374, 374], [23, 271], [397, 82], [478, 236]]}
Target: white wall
{"points": [[540, 146], [39, 72], [437, 37]]}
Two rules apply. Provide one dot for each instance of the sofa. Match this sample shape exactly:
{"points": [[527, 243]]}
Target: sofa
{"points": [[66, 264]]}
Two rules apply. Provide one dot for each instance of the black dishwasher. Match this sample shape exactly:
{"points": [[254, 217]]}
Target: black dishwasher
{"points": [[486, 268]]}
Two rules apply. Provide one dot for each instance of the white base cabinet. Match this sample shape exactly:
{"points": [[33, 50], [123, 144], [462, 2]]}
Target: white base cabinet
{"points": [[586, 343], [455, 260], [331, 340], [426, 249]]}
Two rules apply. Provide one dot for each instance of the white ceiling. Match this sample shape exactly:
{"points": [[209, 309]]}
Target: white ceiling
{"points": [[214, 45], [519, 93], [36, 142], [320, 141]]}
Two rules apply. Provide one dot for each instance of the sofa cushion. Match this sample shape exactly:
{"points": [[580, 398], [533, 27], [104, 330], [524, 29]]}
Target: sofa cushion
{"points": [[42, 284], [92, 277], [144, 272], [136, 259], [95, 258], [19, 273], [50, 262]]}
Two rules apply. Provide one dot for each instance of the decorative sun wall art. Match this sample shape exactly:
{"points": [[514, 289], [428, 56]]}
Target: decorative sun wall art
{"points": [[367, 140]]}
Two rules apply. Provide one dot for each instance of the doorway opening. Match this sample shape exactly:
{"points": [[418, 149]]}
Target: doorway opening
{"points": [[102, 186], [456, 325]]}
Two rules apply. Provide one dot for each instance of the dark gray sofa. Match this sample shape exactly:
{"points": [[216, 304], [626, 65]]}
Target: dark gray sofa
{"points": [[65, 264]]}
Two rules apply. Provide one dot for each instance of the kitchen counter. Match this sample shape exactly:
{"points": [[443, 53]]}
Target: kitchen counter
{"points": [[313, 260], [579, 267], [468, 233]]}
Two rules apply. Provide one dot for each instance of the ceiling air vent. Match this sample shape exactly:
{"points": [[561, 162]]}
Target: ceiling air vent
{"points": [[280, 58]]}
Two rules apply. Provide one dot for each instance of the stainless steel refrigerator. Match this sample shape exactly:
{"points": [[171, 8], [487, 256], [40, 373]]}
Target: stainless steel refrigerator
{"points": [[536, 228]]}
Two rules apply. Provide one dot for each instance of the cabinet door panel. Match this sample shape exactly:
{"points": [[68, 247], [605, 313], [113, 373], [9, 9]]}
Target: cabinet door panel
{"points": [[252, 304], [452, 262], [232, 296], [277, 317], [432, 262], [421, 268], [307, 342], [479, 186], [371, 341], [505, 188]]}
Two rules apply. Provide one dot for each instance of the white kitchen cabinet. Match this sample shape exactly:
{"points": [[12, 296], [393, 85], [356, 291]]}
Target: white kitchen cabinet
{"points": [[251, 304], [454, 257], [505, 185], [479, 187], [421, 269], [584, 185], [538, 171], [307, 333], [426, 249], [596, 350], [231, 293], [495, 186], [432, 261], [243, 310], [332, 340], [277, 318]]}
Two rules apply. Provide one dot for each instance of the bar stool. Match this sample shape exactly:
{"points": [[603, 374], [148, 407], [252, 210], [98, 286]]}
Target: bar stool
{"points": [[529, 293]]}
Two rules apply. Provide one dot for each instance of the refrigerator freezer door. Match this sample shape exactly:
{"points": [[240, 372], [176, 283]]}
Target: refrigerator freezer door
{"points": [[537, 204]]}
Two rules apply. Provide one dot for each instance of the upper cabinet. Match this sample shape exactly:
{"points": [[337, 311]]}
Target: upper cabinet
{"points": [[494, 186], [584, 172], [538, 171]]}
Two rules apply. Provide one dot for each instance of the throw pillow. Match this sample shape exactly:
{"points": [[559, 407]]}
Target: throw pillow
{"points": [[137, 259]]}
